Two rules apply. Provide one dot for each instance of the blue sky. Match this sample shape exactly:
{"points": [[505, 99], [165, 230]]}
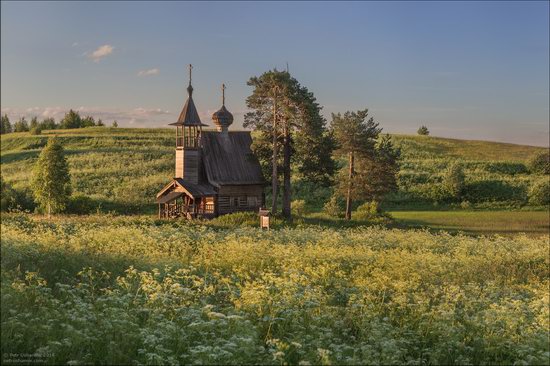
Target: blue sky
{"points": [[474, 70]]}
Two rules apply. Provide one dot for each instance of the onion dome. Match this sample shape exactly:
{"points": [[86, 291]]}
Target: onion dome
{"points": [[222, 118]]}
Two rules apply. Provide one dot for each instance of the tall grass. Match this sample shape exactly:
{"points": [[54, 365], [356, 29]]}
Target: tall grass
{"points": [[121, 290]]}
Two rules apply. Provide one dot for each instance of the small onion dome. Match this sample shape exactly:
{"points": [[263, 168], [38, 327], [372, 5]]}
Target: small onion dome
{"points": [[222, 118]]}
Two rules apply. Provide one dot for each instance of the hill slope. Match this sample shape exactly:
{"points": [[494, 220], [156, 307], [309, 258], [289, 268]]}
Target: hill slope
{"points": [[122, 169]]}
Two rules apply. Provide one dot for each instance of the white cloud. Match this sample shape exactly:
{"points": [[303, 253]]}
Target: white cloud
{"points": [[75, 44], [101, 52], [149, 72]]}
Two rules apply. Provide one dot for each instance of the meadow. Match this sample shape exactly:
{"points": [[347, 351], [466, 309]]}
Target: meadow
{"points": [[121, 170], [134, 290]]}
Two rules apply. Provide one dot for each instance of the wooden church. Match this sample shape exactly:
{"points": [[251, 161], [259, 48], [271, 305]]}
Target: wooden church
{"points": [[216, 172]]}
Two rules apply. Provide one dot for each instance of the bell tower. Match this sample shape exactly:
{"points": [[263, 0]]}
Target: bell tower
{"points": [[188, 132]]}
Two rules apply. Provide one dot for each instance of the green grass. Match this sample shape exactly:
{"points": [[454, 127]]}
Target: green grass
{"points": [[536, 223], [135, 290], [122, 169]]}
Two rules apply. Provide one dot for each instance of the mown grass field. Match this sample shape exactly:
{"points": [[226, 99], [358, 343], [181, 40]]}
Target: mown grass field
{"points": [[134, 290], [535, 223]]}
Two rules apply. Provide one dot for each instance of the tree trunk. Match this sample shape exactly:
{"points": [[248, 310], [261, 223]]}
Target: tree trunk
{"points": [[286, 173], [350, 183], [274, 180]]}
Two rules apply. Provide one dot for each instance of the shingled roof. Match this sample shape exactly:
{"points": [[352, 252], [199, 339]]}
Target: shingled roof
{"points": [[228, 159]]}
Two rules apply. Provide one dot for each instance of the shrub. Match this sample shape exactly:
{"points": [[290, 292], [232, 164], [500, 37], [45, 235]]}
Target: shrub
{"points": [[7, 196], [494, 190], [453, 181], [36, 130], [368, 211], [423, 131], [539, 193], [298, 207], [237, 219], [333, 207], [540, 163]]}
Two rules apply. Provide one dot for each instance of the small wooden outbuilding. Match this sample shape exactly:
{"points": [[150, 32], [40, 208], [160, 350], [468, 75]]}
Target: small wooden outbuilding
{"points": [[216, 172]]}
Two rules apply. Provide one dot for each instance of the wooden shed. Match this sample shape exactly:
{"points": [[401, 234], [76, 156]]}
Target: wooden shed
{"points": [[216, 172]]}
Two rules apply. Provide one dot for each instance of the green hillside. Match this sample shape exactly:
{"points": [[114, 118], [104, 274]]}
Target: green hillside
{"points": [[122, 169]]}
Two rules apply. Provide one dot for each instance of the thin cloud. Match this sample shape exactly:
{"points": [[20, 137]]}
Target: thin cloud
{"points": [[101, 52], [149, 72]]}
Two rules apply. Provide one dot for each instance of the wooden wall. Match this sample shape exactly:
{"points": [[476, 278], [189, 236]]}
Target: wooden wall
{"points": [[239, 198], [187, 164]]}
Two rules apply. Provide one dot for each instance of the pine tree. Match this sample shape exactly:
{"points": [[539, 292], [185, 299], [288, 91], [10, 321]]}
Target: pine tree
{"points": [[5, 127], [71, 120], [21, 125], [423, 131], [356, 137], [292, 132], [51, 181]]}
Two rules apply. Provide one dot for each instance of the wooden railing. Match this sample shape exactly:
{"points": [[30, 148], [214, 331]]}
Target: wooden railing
{"points": [[188, 141], [178, 210]]}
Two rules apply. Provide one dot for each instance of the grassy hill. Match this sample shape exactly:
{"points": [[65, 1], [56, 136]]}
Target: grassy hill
{"points": [[122, 169]]}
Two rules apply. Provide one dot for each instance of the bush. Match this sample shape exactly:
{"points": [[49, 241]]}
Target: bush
{"points": [[540, 163], [13, 200], [368, 211], [539, 193], [237, 219], [494, 190], [7, 196], [333, 207], [36, 130], [453, 181], [298, 207], [81, 205], [423, 131]]}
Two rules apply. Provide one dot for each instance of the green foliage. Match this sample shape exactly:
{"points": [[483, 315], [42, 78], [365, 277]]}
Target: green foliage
{"points": [[539, 193], [36, 130], [5, 126], [453, 181], [540, 163], [87, 121], [21, 125], [298, 207], [51, 178], [237, 219], [494, 191], [48, 124], [7, 196], [72, 119], [14, 200], [423, 131], [370, 211], [115, 124], [334, 207], [107, 290]]}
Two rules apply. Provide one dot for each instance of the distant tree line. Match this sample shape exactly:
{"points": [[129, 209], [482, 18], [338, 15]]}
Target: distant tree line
{"points": [[72, 119]]}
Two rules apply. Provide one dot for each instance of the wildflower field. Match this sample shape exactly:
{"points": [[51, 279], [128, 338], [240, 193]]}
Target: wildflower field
{"points": [[133, 290]]}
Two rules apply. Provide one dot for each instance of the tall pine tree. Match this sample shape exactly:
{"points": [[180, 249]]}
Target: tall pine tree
{"points": [[372, 161], [287, 119]]}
